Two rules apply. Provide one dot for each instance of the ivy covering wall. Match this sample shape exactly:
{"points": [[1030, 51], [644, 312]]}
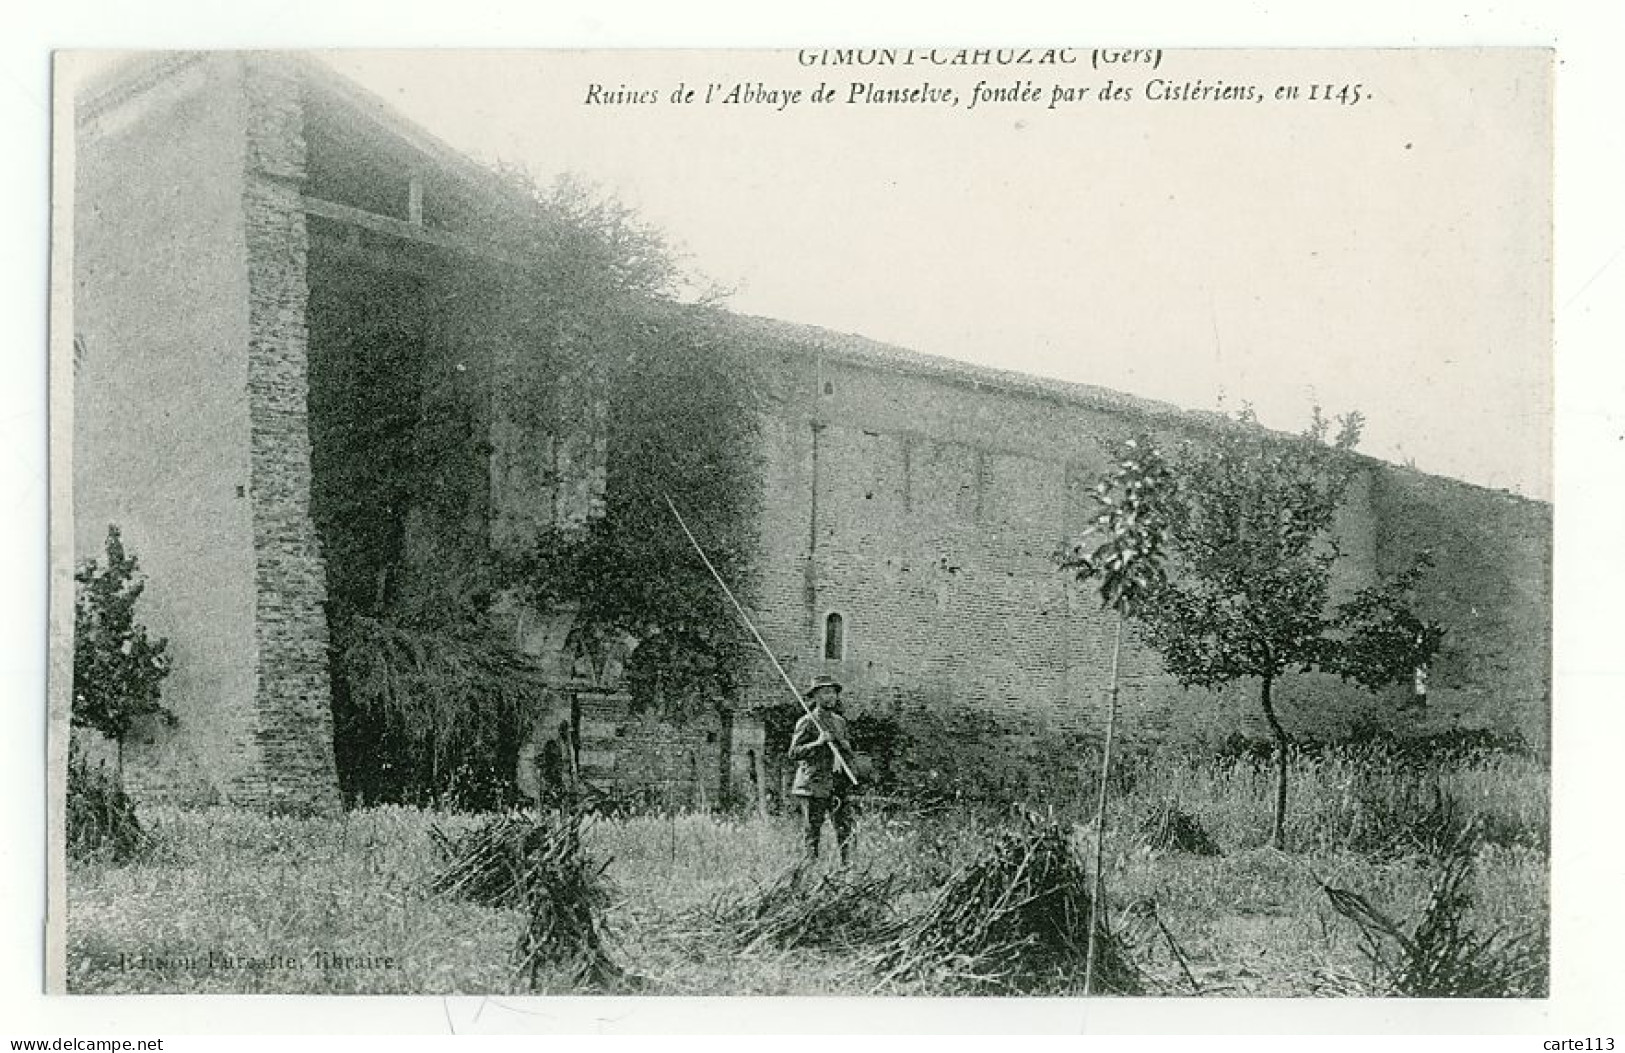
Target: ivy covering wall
{"points": [[573, 336], [681, 425]]}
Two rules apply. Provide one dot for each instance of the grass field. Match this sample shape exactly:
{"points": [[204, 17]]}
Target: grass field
{"points": [[230, 901]]}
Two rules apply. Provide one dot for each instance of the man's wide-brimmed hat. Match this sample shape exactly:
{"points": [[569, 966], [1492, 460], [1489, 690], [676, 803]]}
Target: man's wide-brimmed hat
{"points": [[822, 680]]}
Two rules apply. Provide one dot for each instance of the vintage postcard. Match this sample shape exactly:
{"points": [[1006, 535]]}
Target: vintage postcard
{"points": [[850, 521]]}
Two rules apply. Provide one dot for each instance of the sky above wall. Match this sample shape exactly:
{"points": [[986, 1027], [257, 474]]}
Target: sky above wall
{"points": [[1390, 256]]}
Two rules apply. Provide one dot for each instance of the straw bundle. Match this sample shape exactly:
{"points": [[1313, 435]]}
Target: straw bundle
{"points": [[1171, 828], [1015, 920], [486, 864], [538, 864], [793, 910]]}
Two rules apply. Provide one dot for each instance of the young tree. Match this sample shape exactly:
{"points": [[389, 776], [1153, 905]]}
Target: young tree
{"points": [[117, 669], [1248, 589], [1124, 548]]}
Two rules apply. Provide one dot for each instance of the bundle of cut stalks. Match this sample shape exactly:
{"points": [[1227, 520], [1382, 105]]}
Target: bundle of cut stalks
{"points": [[563, 893], [486, 865], [794, 910], [537, 862], [1171, 828], [1015, 920], [101, 819]]}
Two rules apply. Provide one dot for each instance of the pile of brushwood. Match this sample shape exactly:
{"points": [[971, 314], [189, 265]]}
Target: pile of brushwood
{"points": [[836, 909], [1440, 956], [535, 861], [101, 819], [1171, 828], [1013, 921]]}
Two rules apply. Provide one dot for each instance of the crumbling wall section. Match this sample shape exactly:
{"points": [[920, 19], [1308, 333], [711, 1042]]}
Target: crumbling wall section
{"points": [[704, 762], [295, 721]]}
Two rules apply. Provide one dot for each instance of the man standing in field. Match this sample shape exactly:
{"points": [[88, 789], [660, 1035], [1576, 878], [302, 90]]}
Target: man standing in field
{"points": [[818, 786]]}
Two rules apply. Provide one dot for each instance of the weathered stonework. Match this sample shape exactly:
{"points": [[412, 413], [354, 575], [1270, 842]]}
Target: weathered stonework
{"points": [[923, 502], [295, 723], [920, 501], [707, 761]]}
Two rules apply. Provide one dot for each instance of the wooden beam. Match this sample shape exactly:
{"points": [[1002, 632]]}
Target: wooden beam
{"points": [[343, 248], [399, 228]]}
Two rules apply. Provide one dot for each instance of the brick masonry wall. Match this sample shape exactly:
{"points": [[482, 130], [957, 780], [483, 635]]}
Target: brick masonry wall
{"points": [[295, 725], [926, 513], [678, 765]]}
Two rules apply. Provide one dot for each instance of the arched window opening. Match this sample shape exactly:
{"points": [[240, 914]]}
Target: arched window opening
{"points": [[834, 636]]}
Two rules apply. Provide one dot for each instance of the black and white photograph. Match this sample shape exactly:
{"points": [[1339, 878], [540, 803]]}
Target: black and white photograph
{"points": [[885, 521]]}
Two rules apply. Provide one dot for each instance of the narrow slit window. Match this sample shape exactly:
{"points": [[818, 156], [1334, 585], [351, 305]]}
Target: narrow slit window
{"points": [[834, 636]]}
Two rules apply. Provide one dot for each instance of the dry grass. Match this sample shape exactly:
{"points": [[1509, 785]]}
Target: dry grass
{"points": [[1440, 954], [283, 905], [345, 905]]}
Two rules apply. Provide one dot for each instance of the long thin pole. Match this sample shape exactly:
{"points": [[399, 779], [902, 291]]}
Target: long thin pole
{"points": [[1100, 816], [840, 761]]}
